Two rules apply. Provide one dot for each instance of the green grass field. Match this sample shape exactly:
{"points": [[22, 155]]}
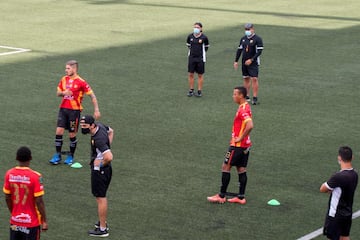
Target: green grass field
{"points": [[169, 148]]}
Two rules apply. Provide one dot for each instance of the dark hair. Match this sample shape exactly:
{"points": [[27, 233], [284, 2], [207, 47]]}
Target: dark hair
{"points": [[72, 63], [198, 23], [23, 154], [345, 153], [242, 90]]}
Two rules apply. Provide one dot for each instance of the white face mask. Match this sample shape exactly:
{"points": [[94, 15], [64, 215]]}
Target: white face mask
{"points": [[196, 31], [248, 33]]}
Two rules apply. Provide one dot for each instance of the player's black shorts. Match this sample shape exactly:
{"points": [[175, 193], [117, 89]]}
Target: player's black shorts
{"points": [[196, 65], [336, 227], [19, 232], [100, 180], [237, 156], [250, 71], [68, 119]]}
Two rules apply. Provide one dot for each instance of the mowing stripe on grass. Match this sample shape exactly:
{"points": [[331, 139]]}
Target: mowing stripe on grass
{"points": [[318, 232], [15, 50]]}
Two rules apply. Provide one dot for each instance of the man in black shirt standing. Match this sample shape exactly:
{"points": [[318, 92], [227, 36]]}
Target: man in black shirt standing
{"points": [[342, 186], [251, 46], [198, 44], [101, 171]]}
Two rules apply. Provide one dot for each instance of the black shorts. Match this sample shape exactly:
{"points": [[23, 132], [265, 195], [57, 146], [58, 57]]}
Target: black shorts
{"points": [[336, 227], [19, 232], [68, 119], [237, 156], [196, 65], [250, 71], [100, 180]]}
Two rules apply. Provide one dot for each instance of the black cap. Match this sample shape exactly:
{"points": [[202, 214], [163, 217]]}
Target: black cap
{"points": [[198, 23], [88, 119], [23, 154], [248, 25]]}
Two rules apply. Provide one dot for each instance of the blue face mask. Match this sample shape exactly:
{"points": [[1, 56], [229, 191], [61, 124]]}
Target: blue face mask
{"points": [[248, 33], [196, 31]]}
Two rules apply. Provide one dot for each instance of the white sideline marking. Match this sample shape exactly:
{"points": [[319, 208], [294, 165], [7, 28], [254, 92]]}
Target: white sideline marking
{"points": [[15, 50], [318, 232]]}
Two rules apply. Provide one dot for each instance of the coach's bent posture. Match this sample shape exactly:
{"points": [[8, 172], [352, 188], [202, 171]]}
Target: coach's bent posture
{"points": [[101, 170]]}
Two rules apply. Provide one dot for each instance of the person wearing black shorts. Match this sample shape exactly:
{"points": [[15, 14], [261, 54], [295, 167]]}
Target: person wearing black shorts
{"points": [[198, 44], [239, 150], [24, 191], [341, 186], [250, 47], [101, 170], [71, 89]]}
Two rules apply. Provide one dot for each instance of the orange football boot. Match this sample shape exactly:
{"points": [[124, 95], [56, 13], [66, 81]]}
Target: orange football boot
{"points": [[216, 199], [237, 200]]}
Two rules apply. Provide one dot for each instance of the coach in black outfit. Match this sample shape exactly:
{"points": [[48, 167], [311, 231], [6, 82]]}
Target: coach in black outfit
{"points": [[251, 46], [198, 44], [342, 186], [101, 171]]}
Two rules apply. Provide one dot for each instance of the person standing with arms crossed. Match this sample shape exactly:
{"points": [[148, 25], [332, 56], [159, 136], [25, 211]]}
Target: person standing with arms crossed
{"points": [[71, 89], [341, 186], [198, 45], [101, 170], [239, 150], [24, 190], [251, 46]]}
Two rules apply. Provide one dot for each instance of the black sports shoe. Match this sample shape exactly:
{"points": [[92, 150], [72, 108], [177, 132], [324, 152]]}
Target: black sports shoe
{"points": [[98, 233], [190, 93], [97, 226], [254, 101], [247, 98], [198, 94]]}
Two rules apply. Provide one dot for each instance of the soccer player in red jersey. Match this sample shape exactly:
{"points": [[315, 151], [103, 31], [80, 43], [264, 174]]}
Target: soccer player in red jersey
{"points": [[72, 89], [239, 150], [23, 190]]}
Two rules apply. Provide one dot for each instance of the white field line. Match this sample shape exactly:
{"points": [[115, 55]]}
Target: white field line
{"points": [[15, 50], [318, 232]]}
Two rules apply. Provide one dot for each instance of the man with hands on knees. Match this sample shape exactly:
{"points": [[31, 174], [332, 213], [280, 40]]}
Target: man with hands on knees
{"points": [[101, 170]]}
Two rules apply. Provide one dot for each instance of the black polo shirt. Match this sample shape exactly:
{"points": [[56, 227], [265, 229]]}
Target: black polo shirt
{"points": [[343, 185], [99, 142], [250, 48], [197, 46]]}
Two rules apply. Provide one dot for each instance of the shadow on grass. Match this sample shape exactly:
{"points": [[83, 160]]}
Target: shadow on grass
{"points": [[168, 147], [276, 14]]}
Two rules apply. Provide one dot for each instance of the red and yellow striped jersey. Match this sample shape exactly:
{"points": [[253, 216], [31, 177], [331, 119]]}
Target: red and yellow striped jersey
{"points": [[243, 115], [24, 185], [78, 86]]}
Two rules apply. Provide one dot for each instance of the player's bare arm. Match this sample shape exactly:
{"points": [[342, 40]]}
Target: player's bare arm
{"points": [[9, 202], [41, 207], [67, 92], [110, 135], [249, 126], [97, 114], [324, 188], [107, 158]]}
